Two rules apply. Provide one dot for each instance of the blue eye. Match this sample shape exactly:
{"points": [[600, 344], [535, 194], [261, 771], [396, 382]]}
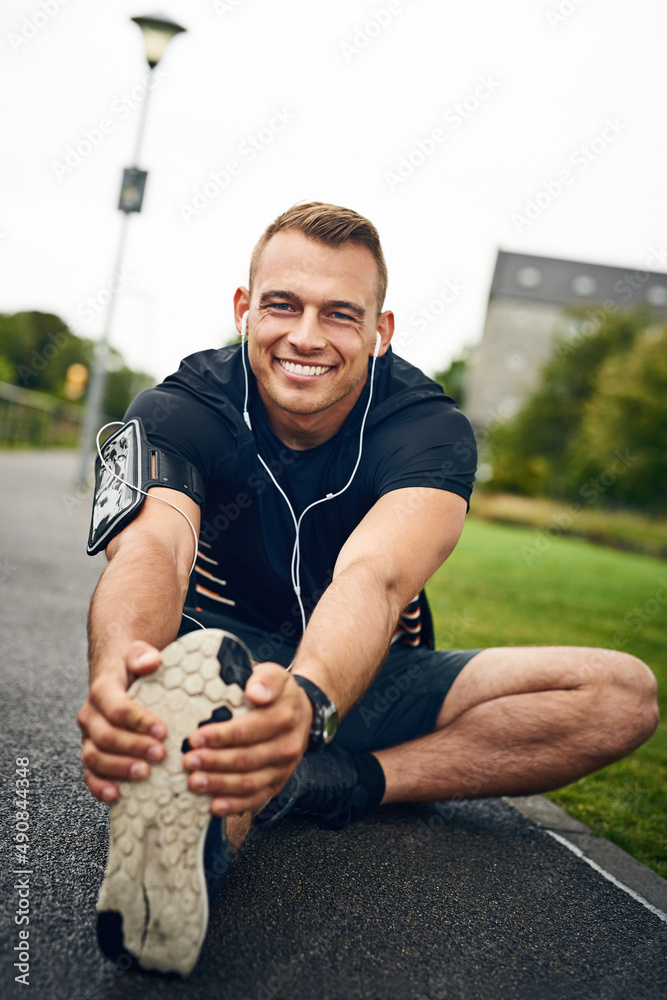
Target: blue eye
{"points": [[279, 307]]}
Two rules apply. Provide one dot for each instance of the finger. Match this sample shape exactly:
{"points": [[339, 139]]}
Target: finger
{"points": [[243, 788], [240, 760], [108, 696], [266, 683], [121, 741], [255, 727], [104, 791], [106, 765], [142, 658]]}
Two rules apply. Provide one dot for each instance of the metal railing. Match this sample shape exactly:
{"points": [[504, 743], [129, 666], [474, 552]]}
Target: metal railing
{"points": [[34, 419]]}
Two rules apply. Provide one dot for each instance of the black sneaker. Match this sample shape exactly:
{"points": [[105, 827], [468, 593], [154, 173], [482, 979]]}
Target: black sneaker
{"points": [[169, 855], [325, 787]]}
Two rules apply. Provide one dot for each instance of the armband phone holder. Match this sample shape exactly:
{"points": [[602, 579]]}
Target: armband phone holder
{"points": [[131, 466]]}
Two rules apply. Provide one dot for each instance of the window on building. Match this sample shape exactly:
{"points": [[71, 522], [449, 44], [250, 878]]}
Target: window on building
{"points": [[657, 295], [584, 285], [529, 277]]}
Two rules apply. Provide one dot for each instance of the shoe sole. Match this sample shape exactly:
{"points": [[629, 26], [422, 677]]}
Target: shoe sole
{"points": [[153, 903]]}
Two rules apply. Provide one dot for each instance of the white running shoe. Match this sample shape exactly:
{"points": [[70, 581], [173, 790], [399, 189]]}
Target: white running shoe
{"points": [[168, 854]]}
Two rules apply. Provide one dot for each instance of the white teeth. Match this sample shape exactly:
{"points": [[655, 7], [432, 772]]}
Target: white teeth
{"points": [[297, 369]]}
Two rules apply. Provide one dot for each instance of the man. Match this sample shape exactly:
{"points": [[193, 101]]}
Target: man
{"points": [[326, 481]]}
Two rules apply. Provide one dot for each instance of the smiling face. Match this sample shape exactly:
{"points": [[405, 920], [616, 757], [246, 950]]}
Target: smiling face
{"points": [[312, 326]]}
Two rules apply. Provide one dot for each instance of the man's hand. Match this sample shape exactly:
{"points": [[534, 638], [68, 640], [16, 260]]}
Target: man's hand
{"points": [[246, 761], [119, 738]]}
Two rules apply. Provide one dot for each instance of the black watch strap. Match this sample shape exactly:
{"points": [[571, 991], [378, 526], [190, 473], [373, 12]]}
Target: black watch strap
{"points": [[325, 714]]}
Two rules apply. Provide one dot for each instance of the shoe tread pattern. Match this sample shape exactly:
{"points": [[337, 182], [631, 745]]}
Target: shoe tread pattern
{"points": [[158, 826]]}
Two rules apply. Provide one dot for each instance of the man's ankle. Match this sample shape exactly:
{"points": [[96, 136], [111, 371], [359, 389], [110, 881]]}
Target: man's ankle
{"points": [[237, 829]]}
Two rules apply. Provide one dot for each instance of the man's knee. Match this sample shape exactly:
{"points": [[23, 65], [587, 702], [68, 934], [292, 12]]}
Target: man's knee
{"points": [[628, 699]]}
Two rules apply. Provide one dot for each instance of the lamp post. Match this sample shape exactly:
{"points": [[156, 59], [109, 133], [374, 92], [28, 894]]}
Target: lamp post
{"points": [[158, 32]]}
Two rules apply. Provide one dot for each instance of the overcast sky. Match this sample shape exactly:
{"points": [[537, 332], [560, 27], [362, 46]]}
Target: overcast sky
{"points": [[438, 120]]}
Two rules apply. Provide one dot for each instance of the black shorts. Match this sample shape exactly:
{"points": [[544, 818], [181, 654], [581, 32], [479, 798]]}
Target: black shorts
{"points": [[402, 704]]}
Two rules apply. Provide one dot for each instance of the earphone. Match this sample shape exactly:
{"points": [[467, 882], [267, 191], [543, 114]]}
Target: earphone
{"points": [[244, 338], [296, 551]]}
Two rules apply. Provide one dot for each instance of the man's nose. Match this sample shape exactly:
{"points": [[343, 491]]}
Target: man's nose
{"points": [[306, 334]]}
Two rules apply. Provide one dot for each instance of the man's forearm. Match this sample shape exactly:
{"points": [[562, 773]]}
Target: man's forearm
{"points": [[139, 596], [348, 634]]}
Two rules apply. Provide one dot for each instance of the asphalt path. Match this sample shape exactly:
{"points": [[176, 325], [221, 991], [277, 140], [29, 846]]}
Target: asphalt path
{"points": [[451, 900]]}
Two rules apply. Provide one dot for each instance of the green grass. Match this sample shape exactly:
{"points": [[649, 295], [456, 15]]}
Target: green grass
{"points": [[497, 590], [619, 529]]}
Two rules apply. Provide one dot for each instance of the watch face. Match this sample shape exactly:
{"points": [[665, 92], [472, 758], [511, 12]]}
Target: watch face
{"points": [[330, 726]]}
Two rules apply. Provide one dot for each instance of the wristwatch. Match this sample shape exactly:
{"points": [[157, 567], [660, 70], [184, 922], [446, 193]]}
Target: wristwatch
{"points": [[325, 714]]}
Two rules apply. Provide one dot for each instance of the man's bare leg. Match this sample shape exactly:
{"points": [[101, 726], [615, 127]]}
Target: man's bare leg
{"points": [[237, 829], [526, 720]]}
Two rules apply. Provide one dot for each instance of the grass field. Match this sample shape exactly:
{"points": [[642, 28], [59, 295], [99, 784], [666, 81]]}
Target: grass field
{"points": [[503, 588], [619, 529]]}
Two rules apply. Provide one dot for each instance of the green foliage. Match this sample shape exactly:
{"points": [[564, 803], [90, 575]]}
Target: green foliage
{"points": [[629, 409], [6, 369], [602, 395], [122, 385], [37, 349], [453, 380], [40, 348]]}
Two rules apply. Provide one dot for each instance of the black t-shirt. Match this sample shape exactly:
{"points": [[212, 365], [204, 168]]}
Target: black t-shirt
{"points": [[414, 436]]}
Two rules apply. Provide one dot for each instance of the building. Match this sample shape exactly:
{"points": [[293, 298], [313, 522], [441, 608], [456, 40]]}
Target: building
{"points": [[529, 308]]}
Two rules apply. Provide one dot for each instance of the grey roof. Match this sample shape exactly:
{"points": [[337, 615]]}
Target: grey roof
{"points": [[550, 279]]}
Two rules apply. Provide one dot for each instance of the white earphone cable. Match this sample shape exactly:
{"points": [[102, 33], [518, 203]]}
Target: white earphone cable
{"points": [[295, 567], [244, 337]]}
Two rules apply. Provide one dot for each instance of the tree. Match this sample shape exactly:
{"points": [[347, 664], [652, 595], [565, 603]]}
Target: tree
{"points": [[558, 439], [624, 426], [453, 380], [37, 349]]}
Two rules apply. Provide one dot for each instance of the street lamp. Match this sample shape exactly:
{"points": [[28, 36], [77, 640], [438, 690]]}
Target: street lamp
{"points": [[158, 32]]}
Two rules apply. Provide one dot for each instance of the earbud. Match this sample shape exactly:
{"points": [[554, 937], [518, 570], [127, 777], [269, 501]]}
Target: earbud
{"points": [[244, 324], [378, 342]]}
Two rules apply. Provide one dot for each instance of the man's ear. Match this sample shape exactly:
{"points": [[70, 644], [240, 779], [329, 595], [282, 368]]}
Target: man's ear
{"points": [[385, 327], [241, 305]]}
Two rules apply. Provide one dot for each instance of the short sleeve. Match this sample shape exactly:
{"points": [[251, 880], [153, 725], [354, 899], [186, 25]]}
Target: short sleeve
{"points": [[176, 422], [432, 444]]}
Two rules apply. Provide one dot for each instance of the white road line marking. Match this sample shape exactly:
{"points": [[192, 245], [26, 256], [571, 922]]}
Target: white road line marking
{"points": [[611, 878]]}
